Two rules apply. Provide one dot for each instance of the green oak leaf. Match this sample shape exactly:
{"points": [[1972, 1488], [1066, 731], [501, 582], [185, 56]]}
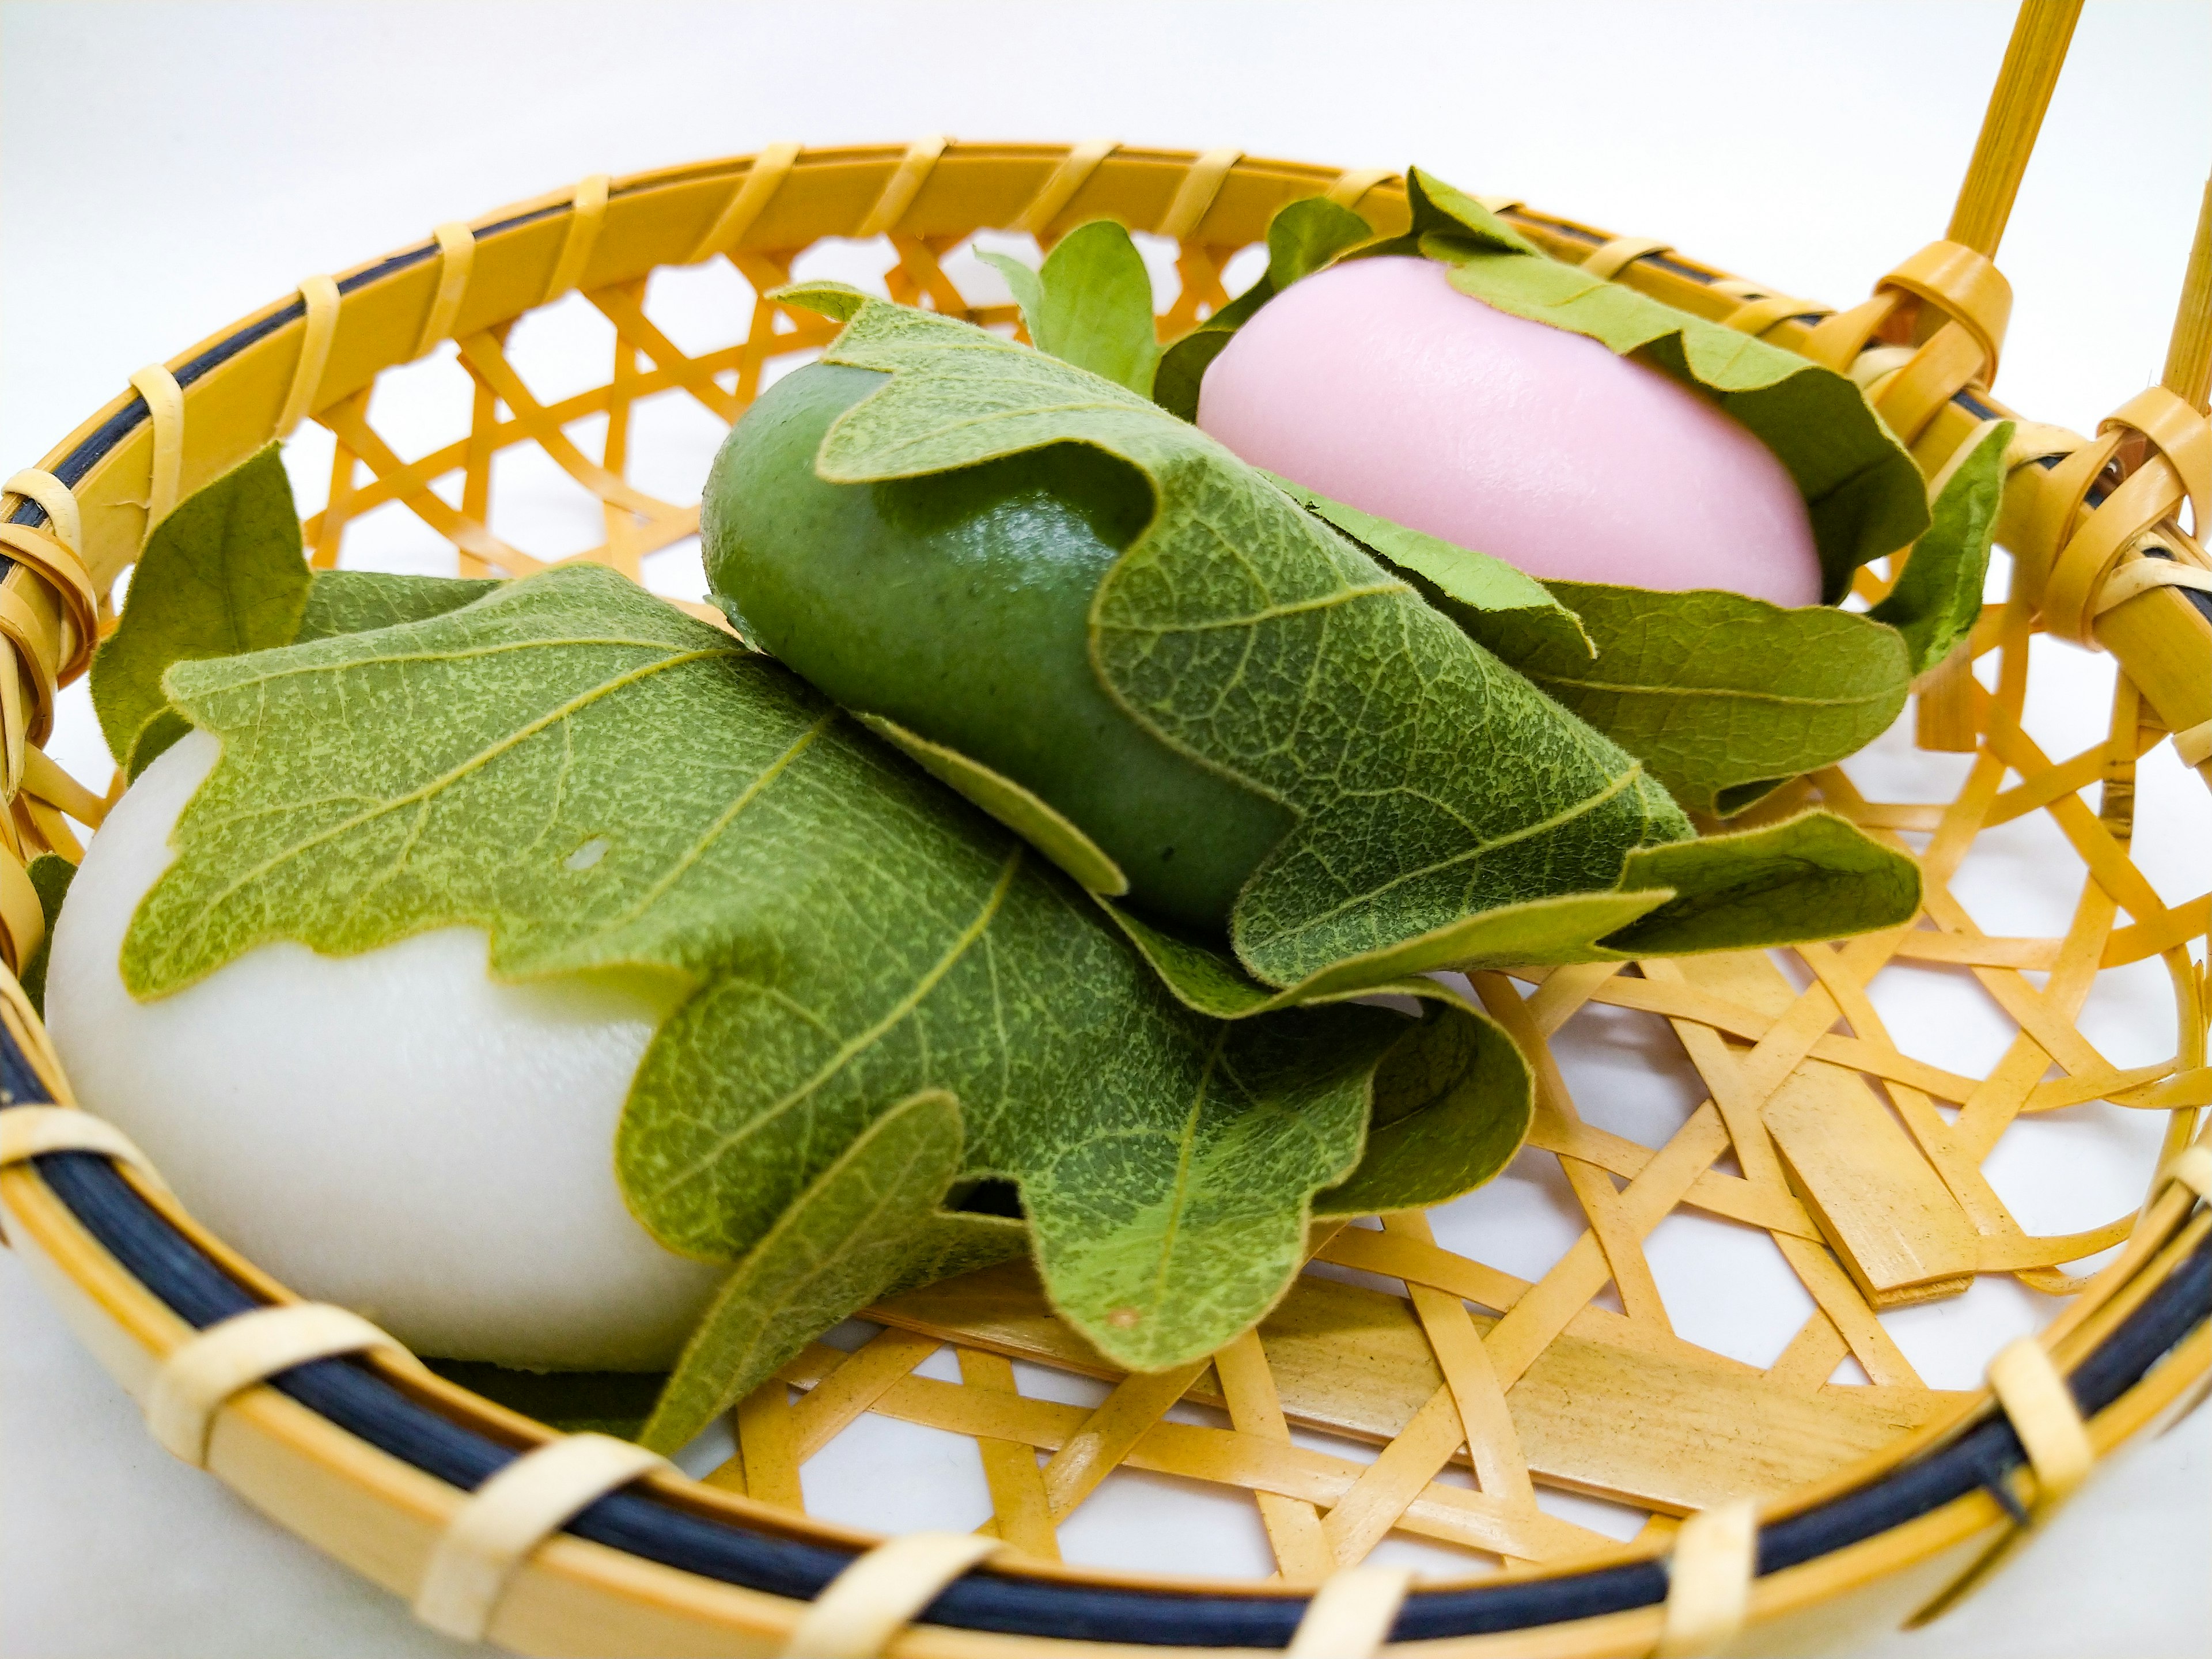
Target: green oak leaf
{"points": [[1862, 489], [224, 573], [1090, 303], [1303, 237], [1433, 785], [1723, 697], [51, 875], [1937, 597], [867, 1227], [1019, 809], [845, 934], [1487, 596]]}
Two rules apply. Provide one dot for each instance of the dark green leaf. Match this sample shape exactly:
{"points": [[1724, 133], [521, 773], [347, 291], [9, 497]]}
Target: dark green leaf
{"points": [[1487, 596], [574, 1402], [222, 574], [1938, 596], [605, 785], [51, 875], [1091, 304], [1716, 693]]}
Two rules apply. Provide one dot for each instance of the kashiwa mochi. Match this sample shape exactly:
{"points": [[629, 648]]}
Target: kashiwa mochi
{"points": [[1379, 384], [394, 1132]]}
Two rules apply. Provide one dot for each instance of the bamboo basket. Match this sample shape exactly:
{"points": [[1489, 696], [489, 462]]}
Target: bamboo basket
{"points": [[1786, 1509]]}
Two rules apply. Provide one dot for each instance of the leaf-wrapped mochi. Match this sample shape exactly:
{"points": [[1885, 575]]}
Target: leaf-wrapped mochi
{"points": [[618, 796], [1132, 642], [1668, 476]]}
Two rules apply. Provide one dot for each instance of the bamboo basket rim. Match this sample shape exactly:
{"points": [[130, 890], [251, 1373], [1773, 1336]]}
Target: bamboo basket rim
{"points": [[2166, 1273]]}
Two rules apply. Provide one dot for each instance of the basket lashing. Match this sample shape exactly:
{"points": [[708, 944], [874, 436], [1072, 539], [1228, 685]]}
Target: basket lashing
{"points": [[1848, 1154]]}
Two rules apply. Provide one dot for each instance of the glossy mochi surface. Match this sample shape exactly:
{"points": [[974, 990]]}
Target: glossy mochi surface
{"points": [[957, 604], [1378, 383], [393, 1132]]}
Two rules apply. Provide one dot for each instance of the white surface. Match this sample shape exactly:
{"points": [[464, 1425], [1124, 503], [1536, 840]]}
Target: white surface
{"points": [[165, 169], [455, 1180]]}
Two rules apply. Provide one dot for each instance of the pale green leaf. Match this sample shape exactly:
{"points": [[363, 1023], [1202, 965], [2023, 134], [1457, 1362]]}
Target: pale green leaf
{"points": [[1017, 808], [1938, 596], [1091, 304], [224, 573], [605, 785], [1723, 697], [1864, 491], [1487, 596], [866, 1227]]}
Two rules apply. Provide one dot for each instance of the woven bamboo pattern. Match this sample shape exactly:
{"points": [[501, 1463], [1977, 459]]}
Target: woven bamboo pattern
{"points": [[1863, 1164]]}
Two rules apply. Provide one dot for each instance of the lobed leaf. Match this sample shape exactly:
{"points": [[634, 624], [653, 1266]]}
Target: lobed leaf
{"points": [[606, 786], [1723, 697]]}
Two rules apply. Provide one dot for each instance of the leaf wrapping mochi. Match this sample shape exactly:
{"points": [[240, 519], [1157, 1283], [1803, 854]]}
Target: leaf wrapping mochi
{"points": [[608, 787], [1439, 810]]}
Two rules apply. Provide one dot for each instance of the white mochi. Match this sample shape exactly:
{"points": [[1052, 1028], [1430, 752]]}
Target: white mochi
{"points": [[394, 1132]]}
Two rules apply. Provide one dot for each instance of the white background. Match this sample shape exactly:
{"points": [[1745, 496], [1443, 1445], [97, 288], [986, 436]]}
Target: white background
{"points": [[165, 168]]}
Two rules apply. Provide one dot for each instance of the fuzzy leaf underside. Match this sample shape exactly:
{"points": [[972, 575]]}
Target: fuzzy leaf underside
{"points": [[866, 1227], [605, 785], [1019, 809], [1723, 697], [1862, 489], [224, 573], [1937, 597], [1431, 781], [1090, 303], [1490, 599]]}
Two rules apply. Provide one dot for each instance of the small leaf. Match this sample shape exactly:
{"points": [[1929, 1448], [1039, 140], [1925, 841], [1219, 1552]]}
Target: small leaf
{"points": [[574, 1402], [1017, 808], [1938, 596], [839, 302], [1183, 368], [1439, 213], [1720, 695], [51, 875], [224, 573], [1091, 304], [1487, 596], [859, 1231]]}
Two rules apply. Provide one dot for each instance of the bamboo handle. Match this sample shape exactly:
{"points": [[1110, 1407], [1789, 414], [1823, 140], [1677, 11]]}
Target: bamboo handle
{"points": [[2033, 59]]}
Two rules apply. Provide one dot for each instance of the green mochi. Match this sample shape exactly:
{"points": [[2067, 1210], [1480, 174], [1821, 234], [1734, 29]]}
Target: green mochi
{"points": [[957, 604]]}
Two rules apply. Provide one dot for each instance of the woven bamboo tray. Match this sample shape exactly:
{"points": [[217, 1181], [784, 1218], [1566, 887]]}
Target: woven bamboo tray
{"points": [[1784, 1507]]}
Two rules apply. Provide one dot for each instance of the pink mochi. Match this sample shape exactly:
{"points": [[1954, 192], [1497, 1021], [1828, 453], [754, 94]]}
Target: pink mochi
{"points": [[1379, 384]]}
